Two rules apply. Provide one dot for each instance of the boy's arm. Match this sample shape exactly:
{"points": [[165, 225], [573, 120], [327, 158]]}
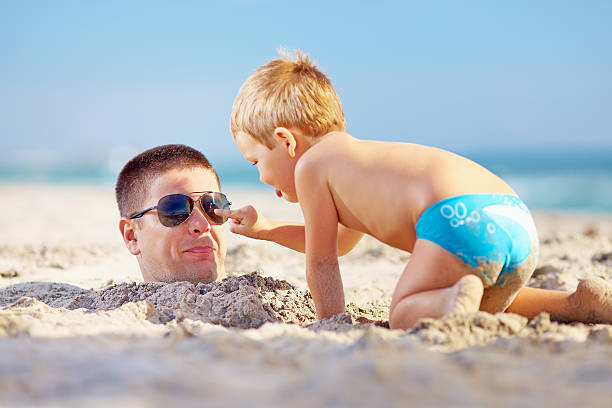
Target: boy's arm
{"points": [[248, 222], [321, 233]]}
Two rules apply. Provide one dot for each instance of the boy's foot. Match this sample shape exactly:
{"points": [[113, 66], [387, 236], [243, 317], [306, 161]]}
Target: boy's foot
{"points": [[591, 302], [465, 296]]}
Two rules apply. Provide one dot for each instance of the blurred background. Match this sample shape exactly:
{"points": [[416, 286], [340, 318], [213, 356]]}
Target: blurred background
{"points": [[522, 87]]}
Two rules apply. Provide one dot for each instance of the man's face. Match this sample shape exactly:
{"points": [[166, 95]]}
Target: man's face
{"points": [[193, 251]]}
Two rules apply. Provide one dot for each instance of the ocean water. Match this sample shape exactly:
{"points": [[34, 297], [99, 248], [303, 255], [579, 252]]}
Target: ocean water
{"points": [[567, 181], [571, 181]]}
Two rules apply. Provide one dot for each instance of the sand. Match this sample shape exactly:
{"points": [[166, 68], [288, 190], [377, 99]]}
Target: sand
{"points": [[78, 327]]}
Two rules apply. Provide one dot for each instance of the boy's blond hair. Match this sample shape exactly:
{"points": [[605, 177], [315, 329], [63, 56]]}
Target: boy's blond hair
{"points": [[289, 92]]}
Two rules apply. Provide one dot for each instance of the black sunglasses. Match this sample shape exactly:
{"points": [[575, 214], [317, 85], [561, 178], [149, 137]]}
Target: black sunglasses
{"points": [[174, 209]]}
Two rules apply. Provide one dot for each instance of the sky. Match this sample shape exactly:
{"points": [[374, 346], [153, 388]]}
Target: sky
{"points": [[80, 80]]}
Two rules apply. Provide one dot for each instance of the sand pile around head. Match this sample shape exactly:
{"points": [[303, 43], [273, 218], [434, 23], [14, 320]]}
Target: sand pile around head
{"points": [[246, 301]]}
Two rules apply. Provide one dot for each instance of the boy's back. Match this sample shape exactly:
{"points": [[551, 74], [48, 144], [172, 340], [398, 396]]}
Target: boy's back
{"points": [[382, 188]]}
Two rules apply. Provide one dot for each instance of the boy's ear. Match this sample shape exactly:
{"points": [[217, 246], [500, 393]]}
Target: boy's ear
{"points": [[128, 232], [286, 139]]}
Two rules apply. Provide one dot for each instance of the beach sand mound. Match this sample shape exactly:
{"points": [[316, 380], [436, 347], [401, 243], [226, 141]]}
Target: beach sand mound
{"points": [[245, 301], [254, 340]]}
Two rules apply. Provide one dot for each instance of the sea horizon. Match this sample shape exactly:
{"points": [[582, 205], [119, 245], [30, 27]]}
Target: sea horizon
{"points": [[579, 181]]}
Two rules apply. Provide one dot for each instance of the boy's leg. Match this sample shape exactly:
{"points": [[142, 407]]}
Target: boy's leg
{"points": [[433, 284], [530, 302], [590, 303]]}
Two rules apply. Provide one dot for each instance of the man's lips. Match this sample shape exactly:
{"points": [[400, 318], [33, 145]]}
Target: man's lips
{"points": [[199, 250]]}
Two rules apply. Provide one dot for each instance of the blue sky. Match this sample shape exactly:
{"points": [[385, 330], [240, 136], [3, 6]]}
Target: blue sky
{"points": [[88, 79]]}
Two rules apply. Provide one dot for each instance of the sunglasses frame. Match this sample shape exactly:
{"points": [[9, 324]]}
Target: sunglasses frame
{"points": [[139, 214]]}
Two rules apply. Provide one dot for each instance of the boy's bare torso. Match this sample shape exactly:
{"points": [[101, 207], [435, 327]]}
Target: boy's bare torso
{"points": [[382, 188]]}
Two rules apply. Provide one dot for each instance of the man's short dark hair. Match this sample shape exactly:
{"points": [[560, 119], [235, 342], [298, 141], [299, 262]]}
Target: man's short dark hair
{"points": [[139, 172]]}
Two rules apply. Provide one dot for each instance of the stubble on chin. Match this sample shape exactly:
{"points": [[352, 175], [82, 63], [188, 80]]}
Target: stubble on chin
{"points": [[198, 275], [191, 273]]}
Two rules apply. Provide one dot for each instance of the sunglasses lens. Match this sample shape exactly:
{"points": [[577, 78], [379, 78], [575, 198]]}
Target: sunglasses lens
{"points": [[215, 201], [174, 209]]}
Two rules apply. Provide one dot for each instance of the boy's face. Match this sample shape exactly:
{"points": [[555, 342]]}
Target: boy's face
{"points": [[276, 167], [193, 251]]}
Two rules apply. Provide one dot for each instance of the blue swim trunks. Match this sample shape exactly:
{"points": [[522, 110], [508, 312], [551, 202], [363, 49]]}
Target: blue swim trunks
{"points": [[494, 233]]}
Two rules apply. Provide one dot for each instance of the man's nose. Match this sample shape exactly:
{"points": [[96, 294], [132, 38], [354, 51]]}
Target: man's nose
{"points": [[198, 222]]}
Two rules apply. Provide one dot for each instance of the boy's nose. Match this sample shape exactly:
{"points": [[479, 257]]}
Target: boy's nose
{"points": [[198, 222]]}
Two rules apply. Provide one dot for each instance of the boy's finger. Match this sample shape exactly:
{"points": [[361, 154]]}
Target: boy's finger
{"points": [[230, 214], [225, 213]]}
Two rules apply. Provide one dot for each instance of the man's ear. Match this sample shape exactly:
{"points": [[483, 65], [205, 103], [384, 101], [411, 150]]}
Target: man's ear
{"points": [[128, 232], [286, 139]]}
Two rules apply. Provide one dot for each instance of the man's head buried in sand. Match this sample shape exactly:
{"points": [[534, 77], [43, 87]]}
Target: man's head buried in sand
{"points": [[194, 250]]}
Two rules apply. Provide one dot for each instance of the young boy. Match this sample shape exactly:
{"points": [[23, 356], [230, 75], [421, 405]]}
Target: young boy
{"points": [[473, 241]]}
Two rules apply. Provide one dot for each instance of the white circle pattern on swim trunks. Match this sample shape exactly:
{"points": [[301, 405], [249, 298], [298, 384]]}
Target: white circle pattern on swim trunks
{"points": [[447, 211], [460, 210], [457, 214]]}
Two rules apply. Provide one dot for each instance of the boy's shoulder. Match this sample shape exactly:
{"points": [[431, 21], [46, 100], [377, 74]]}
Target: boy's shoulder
{"points": [[322, 153], [328, 147]]}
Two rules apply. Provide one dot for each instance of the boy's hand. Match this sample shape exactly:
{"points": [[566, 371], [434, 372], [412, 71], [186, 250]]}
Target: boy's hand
{"points": [[246, 221]]}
